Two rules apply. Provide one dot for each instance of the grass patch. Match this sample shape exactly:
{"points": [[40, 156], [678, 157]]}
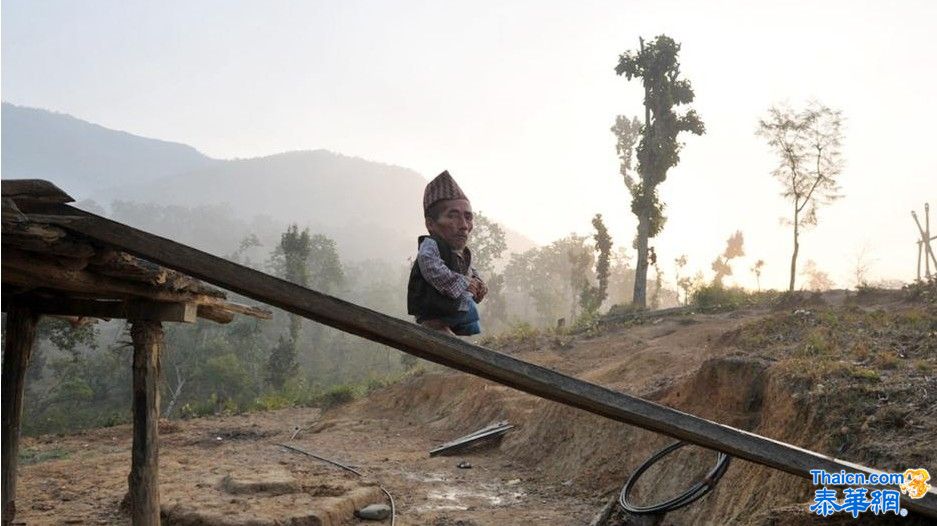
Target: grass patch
{"points": [[717, 298], [845, 368], [865, 373], [819, 343], [30, 456], [886, 360], [923, 366], [518, 334]]}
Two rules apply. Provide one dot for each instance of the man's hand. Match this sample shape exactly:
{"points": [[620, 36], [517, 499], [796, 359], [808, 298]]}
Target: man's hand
{"points": [[478, 289], [474, 288]]}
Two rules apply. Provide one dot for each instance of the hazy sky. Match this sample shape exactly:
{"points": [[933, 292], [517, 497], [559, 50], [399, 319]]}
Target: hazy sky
{"points": [[516, 100]]}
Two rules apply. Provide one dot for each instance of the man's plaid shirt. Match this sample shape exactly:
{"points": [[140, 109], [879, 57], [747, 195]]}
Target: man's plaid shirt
{"points": [[437, 274]]}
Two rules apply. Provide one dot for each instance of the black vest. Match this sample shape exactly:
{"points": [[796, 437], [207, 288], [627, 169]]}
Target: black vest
{"points": [[423, 300]]}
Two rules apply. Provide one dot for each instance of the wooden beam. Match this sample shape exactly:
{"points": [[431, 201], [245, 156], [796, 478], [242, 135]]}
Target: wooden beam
{"points": [[215, 314], [33, 190], [464, 356], [114, 309], [20, 335], [147, 339], [36, 272], [64, 248]]}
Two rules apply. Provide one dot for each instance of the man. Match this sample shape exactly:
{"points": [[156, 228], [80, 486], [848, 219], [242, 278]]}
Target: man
{"points": [[444, 287]]}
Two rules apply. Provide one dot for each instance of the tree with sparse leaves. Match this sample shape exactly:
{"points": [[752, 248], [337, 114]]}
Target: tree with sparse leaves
{"points": [[592, 297], [684, 282], [756, 270], [658, 149], [808, 146], [488, 244], [734, 249], [290, 262], [817, 280], [324, 266], [282, 364]]}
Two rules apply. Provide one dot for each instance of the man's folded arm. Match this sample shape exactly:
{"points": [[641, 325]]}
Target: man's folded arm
{"points": [[437, 274]]}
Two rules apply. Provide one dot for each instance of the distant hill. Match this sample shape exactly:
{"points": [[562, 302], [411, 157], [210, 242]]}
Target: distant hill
{"points": [[84, 157], [372, 210]]}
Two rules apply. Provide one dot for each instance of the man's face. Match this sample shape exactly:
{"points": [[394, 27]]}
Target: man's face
{"points": [[454, 223]]}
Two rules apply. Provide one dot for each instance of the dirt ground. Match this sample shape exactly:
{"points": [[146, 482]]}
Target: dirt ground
{"points": [[558, 466]]}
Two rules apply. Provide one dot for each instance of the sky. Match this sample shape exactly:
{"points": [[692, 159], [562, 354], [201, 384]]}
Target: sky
{"points": [[516, 98]]}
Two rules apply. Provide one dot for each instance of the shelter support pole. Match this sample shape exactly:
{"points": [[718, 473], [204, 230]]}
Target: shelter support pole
{"points": [[147, 339], [20, 336]]}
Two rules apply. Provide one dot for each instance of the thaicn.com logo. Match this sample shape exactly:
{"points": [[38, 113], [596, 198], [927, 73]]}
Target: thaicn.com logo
{"points": [[858, 499]]}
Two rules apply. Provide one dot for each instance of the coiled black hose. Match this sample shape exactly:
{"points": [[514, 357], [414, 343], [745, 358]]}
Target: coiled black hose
{"points": [[694, 493]]}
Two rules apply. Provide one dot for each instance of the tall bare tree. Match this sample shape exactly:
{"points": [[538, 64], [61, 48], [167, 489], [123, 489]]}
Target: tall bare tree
{"points": [[808, 145], [658, 150]]}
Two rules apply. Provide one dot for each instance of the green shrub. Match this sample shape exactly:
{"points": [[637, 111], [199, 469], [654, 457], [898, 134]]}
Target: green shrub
{"points": [[336, 396], [717, 298], [586, 322], [376, 383], [273, 401], [818, 343], [624, 309], [924, 290]]}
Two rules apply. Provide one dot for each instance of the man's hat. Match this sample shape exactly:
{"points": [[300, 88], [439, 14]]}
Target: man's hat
{"points": [[441, 188]]}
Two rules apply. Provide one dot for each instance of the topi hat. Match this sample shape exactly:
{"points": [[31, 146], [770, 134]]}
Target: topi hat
{"points": [[441, 188]]}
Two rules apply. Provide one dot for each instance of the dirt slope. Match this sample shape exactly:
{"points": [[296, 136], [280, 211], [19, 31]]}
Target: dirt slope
{"points": [[557, 467]]}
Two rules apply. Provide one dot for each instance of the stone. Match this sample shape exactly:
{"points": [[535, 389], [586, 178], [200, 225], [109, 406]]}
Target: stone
{"points": [[374, 512]]}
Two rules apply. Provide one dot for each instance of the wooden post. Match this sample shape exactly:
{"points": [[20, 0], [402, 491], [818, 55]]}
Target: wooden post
{"points": [[147, 339], [919, 248], [927, 239], [20, 335]]}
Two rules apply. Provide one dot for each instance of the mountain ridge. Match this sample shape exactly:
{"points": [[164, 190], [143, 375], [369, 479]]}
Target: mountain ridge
{"points": [[371, 208]]}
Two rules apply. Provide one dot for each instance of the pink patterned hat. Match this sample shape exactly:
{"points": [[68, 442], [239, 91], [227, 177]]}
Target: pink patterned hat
{"points": [[441, 188]]}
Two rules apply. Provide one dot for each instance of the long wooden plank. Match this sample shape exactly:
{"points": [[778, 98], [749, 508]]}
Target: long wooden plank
{"points": [[464, 356]]}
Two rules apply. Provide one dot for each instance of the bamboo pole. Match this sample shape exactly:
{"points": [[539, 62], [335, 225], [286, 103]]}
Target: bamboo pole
{"points": [[925, 241], [927, 238]]}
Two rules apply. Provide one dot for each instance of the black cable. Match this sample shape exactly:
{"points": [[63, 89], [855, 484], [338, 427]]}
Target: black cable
{"points": [[691, 495]]}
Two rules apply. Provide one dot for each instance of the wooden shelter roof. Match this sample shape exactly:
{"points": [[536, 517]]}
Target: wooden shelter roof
{"points": [[68, 274]]}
